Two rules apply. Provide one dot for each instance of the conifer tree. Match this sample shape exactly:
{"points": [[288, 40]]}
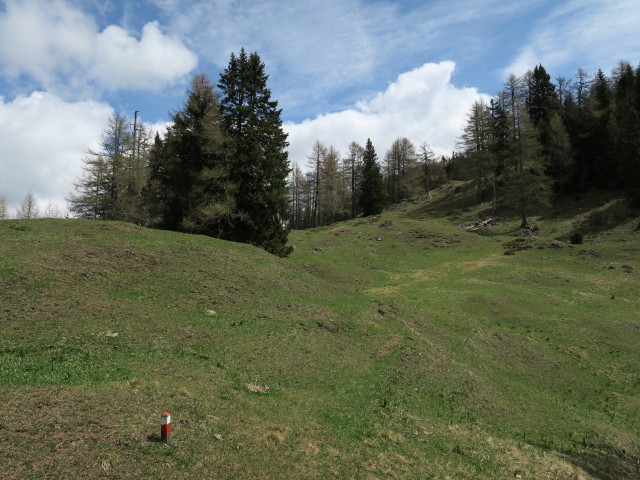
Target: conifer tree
{"points": [[331, 197], [526, 185], [427, 162], [402, 171], [542, 99], [625, 129], [3, 208], [315, 163], [559, 152], [353, 171], [259, 163], [111, 182], [298, 201], [476, 140], [372, 192], [28, 209], [189, 187]]}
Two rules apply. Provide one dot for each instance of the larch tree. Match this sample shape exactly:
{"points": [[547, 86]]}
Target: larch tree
{"points": [[427, 161], [373, 197], [4, 214], [298, 202], [564, 89], [513, 101], [352, 166], [526, 184], [52, 210], [259, 164], [559, 152], [401, 170], [330, 200], [28, 209], [476, 142], [315, 163], [113, 176], [500, 137], [581, 86], [91, 199]]}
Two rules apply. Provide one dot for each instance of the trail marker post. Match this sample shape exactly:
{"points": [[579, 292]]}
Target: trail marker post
{"points": [[165, 427]]}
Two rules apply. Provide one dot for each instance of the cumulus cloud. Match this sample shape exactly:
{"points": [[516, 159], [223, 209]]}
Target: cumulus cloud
{"points": [[43, 142], [62, 49], [422, 105]]}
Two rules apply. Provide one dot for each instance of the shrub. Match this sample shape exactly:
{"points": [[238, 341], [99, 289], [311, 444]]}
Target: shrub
{"points": [[576, 238]]}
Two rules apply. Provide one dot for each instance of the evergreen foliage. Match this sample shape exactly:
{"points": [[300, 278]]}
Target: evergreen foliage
{"points": [[222, 169], [189, 187], [372, 191], [259, 163]]}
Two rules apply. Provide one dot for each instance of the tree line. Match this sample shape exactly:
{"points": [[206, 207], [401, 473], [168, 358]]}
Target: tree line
{"points": [[335, 188], [29, 209], [220, 170], [537, 139], [534, 140]]}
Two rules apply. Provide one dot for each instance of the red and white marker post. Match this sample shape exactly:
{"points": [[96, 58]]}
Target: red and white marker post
{"points": [[165, 427]]}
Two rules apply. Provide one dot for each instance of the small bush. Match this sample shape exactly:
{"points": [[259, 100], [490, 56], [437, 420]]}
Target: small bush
{"points": [[576, 238]]}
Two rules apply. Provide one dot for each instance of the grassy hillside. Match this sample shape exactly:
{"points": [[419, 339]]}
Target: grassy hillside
{"points": [[399, 346]]}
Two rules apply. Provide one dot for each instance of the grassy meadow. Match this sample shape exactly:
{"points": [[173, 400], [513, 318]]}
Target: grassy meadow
{"points": [[400, 346]]}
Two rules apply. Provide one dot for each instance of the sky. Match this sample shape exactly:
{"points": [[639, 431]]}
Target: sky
{"points": [[341, 70]]}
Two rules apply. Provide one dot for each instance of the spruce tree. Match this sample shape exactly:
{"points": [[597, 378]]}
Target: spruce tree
{"points": [[542, 99], [259, 161], [372, 191], [189, 188]]}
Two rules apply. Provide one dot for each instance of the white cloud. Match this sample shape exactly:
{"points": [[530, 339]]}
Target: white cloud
{"points": [[312, 47], [151, 62], [422, 105], [62, 49], [582, 33], [43, 142], [322, 55]]}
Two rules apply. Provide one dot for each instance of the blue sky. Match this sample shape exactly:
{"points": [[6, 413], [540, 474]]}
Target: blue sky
{"points": [[342, 70]]}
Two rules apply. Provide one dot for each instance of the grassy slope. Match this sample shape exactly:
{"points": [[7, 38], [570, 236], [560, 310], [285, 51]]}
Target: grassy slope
{"points": [[452, 360]]}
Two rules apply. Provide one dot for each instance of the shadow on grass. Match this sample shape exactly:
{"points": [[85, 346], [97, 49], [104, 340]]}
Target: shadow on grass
{"points": [[607, 463], [612, 215], [449, 200]]}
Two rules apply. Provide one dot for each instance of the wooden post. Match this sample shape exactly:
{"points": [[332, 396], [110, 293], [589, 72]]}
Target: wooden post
{"points": [[165, 427]]}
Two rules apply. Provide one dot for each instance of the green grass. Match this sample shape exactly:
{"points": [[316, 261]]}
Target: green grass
{"points": [[447, 358]]}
